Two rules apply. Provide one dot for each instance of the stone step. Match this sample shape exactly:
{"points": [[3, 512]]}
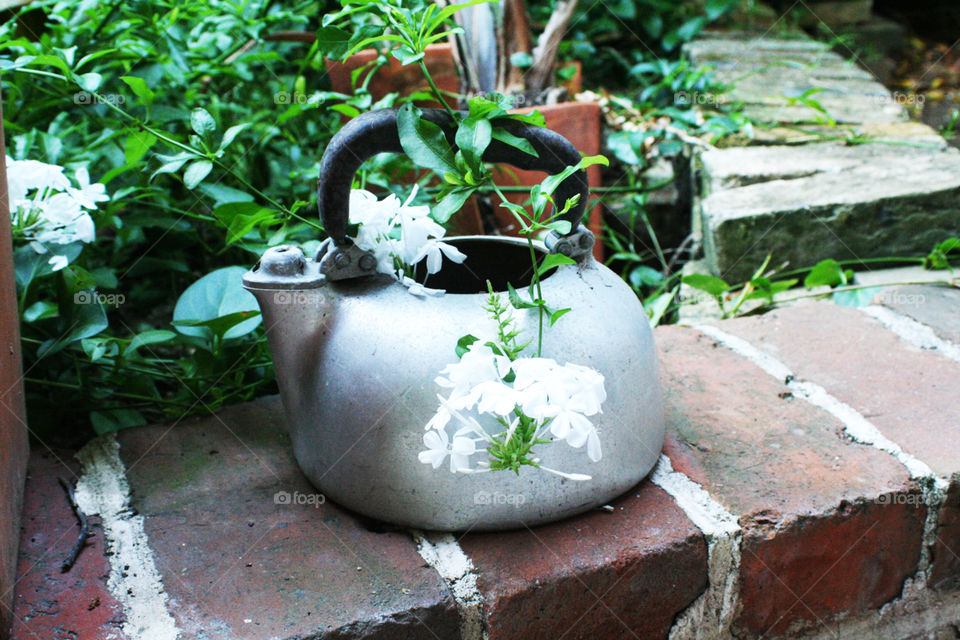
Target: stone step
{"points": [[827, 200], [810, 488]]}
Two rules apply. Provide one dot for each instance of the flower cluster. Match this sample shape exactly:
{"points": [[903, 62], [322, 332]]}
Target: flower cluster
{"points": [[47, 209], [400, 236], [529, 398]]}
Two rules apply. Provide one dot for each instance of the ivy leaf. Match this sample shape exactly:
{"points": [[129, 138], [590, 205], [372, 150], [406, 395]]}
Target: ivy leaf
{"points": [[424, 141], [196, 172], [711, 284]]}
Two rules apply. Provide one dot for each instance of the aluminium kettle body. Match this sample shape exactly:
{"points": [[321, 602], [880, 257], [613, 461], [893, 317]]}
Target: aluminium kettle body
{"points": [[356, 355]]}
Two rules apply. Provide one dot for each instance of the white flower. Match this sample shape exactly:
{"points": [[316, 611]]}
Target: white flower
{"points": [[439, 447], [47, 208], [58, 262], [478, 365], [432, 251], [397, 233], [88, 195]]}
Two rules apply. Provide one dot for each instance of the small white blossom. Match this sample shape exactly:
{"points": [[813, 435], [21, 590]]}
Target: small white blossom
{"points": [[47, 209], [397, 233]]}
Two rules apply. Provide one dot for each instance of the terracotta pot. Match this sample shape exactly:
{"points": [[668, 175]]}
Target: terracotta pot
{"points": [[396, 78], [14, 446], [580, 123]]}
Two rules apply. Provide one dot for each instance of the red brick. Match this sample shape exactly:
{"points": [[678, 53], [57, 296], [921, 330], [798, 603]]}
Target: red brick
{"points": [[935, 306], [50, 604], [813, 506], [909, 393], [229, 553], [945, 572], [624, 574]]}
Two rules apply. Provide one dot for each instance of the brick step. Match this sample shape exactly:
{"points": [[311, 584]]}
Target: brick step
{"points": [[809, 489]]}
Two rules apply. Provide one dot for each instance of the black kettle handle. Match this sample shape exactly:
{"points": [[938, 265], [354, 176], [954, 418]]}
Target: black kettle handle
{"points": [[376, 132]]}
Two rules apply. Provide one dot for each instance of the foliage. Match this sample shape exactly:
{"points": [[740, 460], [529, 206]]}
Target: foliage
{"points": [[208, 148]]}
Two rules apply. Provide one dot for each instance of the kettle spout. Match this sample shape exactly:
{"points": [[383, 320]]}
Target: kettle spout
{"points": [[287, 285], [298, 309]]}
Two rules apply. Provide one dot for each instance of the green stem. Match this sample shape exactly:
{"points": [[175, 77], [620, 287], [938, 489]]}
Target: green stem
{"points": [[436, 91]]}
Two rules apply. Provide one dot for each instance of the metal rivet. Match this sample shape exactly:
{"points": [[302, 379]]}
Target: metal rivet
{"points": [[563, 246], [341, 260], [368, 262]]}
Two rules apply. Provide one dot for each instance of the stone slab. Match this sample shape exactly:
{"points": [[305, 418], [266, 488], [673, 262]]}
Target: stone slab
{"points": [[50, 604], [938, 307], [776, 79], [908, 393], [248, 550], [823, 201], [611, 575], [826, 531]]}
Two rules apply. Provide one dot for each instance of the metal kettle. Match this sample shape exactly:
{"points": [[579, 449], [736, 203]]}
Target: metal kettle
{"points": [[356, 355]]}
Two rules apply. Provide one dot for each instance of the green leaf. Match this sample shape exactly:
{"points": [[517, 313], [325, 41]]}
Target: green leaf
{"points": [[516, 300], [473, 138], [115, 420], [711, 284], [40, 310], [552, 261], [220, 326], [230, 134], [424, 141], [196, 172], [534, 117], [332, 35], [556, 315], [504, 136], [450, 204], [241, 217], [215, 295], [643, 275], [521, 59], [202, 122], [90, 81], [86, 320], [657, 305], [140, 89], [406, 56], [152, 336], [825, 273], [463, 344], [136, 146]]}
